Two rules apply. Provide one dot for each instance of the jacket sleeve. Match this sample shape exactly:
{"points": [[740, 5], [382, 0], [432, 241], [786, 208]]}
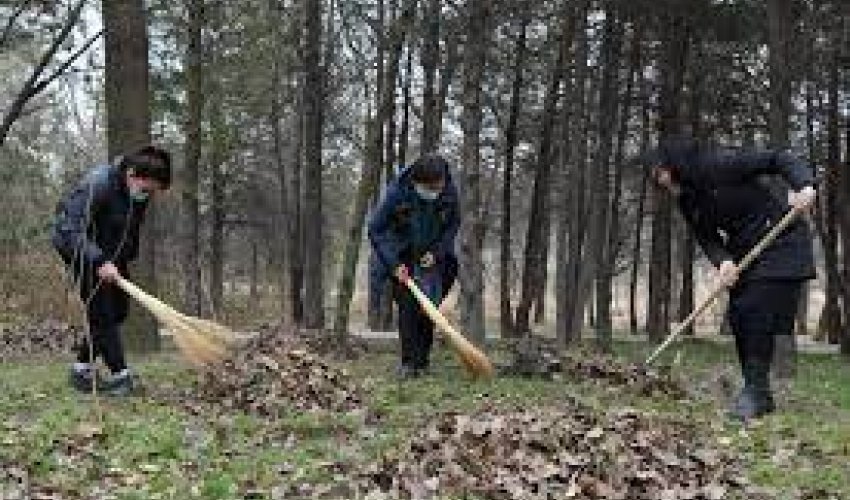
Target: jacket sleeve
{"points": [[446, 243], [708, 238], [728, 167], [70, 230], [384, 240]]}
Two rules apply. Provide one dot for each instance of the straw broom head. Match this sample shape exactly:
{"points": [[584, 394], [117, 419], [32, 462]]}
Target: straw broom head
{"points": [[202, 342], [472, 359]]}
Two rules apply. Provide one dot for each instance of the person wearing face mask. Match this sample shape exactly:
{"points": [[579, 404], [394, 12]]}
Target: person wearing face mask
{"points": [[412, 232], [729, 200], [96, 233]]}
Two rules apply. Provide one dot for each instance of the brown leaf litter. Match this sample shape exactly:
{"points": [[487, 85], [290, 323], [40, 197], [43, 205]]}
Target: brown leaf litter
{"points": [[275, 373], [557, 453], [46, 338]]}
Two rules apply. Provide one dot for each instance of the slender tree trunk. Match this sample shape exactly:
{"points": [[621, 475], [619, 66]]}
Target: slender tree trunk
{"points": [[574, 307], [447, 73], [600, 182], [636, 255], [845, 227], [687, 249], [404, 135], [658, 313], [254, 273], [539, 303], [533, 275], [217, 235], [471, 264], [832, 199], [614, 237], [192, 294], [505, 309], [370, 176], [313, 110], [429, 59], [128, 128]]}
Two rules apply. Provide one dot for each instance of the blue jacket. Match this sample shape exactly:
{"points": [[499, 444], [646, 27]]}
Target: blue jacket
{"points": [[389, 225], [97, 221], [730, 205]]}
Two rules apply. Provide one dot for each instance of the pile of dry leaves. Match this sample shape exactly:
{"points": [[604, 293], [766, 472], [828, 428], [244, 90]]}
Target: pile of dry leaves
{"points": [[602, 367], [563, 453], [276, 373], [47, 338], [538, 357]]}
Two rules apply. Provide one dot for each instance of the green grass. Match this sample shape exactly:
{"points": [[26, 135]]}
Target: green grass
{"points": [[154, 448]]}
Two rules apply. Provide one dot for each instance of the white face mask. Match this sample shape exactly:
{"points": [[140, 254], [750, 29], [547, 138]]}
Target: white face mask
{"points": [[139, 195], [425, 193]]}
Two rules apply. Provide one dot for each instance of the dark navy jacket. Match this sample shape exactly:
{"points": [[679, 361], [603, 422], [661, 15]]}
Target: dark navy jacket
{"points": [[389, 226], [98, 222], [730, 206]]}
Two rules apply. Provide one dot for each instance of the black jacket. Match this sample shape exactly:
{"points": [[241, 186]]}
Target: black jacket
{"points": [[728, 203], [98, 222]]}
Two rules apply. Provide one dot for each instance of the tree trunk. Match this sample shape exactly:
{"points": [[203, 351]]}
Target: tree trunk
{"points": [[614, 237], [845, 228], [128, 128], [533, 274], [658, 307], [471, 265], [404, 134], [687, 248], [254, 273], [636, 254], [429, 59], [780, 31], [505, 309], [314, 298], [600, 180], [192, 294], [833, 205], [577, 207], [217, 202], [370, 176]]}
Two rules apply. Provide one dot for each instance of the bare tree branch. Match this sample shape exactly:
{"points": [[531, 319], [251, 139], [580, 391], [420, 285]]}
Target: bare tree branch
{"points": [[10, 24], [37, 89], [27, 92]]}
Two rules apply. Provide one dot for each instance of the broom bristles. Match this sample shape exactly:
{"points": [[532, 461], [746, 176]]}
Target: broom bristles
{"points": [[202, 342], [475, 361]]}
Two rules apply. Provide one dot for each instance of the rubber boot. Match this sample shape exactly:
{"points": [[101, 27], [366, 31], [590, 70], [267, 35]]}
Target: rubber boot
{"points": [[755, 399]]}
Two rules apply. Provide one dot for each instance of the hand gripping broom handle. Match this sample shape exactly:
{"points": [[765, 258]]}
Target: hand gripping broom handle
{"points": [[748, 259], [463, 346]]}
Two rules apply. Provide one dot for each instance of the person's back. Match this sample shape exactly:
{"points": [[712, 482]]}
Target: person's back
{"points": [[96, 233], [722, 196]]}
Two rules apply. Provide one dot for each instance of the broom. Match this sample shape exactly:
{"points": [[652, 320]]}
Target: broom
{"points": [[202, 342], [475, 361], [718, 290]]}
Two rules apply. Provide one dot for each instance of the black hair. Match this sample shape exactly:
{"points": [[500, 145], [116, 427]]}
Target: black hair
{"points": [[429, 168], [149, 162]]}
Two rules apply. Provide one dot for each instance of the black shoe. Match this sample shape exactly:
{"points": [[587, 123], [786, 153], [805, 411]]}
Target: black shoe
{"points": [[81, 381], [406, 372], [751, 403], [122, 384]]}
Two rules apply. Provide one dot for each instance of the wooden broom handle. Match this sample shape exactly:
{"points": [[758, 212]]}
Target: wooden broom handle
{"points": [[155, 306], [434, 313], [748, 259]]}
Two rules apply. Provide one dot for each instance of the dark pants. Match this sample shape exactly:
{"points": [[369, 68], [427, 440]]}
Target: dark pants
{"points": [[415, 328], [762, 313], [106, 310]]}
